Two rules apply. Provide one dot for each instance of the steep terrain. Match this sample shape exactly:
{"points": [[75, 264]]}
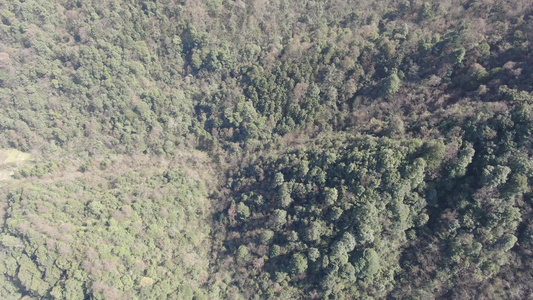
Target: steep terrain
{"points": [[340, 149]]}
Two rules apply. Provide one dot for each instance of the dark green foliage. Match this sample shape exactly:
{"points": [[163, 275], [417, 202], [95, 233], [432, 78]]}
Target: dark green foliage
{"points": [[343, 220], [383, 200], [348, 150], [298, 263], [433, 152], [368, 264], [330, 196], [390, 85]]}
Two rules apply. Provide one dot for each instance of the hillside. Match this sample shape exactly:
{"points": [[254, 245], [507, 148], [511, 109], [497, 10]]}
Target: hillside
{"points": [[266, 149]]}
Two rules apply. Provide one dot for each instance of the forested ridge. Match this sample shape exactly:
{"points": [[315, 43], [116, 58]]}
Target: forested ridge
{"points": [[339, 149]]}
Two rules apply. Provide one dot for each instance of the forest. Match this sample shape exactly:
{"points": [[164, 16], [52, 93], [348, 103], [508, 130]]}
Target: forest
{"points": [[244, 149]]}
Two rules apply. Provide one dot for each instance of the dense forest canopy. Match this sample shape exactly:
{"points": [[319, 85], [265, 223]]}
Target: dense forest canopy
{"points": [[219, 149]]}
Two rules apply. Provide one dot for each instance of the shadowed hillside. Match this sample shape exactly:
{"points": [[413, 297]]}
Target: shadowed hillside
{"points": [[266, 149]]}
